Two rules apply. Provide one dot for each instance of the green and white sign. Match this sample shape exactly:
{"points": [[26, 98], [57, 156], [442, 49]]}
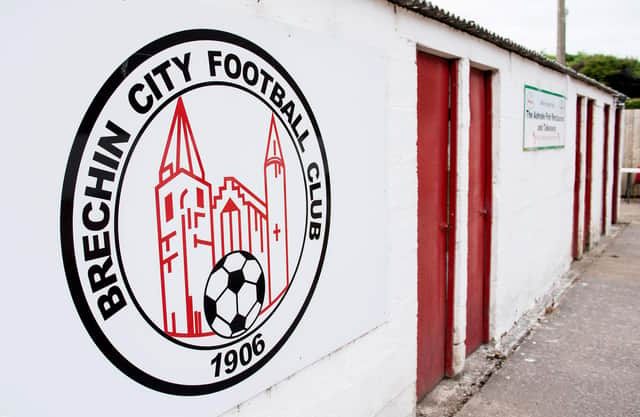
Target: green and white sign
{"points": [[544, 119]]}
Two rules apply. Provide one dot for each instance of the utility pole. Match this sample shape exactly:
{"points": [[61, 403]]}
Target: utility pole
{"points": [[561, 43]]}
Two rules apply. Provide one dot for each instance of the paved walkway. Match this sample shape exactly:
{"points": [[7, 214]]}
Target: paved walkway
{"points": [[584, 358]]}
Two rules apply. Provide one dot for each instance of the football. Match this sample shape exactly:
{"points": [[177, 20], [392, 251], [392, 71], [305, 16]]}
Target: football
{"points": [[234, 294]]}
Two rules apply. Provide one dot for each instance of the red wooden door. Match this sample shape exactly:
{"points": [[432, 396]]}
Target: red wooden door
{"points": [[479, 209], [616, 166], [433, 217], [577, 179], [605, 171], [587, 176]]}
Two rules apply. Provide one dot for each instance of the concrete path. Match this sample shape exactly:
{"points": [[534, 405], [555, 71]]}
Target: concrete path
{"points": [[584, 358]]}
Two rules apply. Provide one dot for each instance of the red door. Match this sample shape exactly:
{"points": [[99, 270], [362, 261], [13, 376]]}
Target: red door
{"points": [[616, 166], [479, 210], [605, 170], [587, 176], [576, 182], [434, 216]]}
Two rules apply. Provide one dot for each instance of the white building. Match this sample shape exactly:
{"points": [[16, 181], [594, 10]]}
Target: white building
{"points": [[454, 198]]}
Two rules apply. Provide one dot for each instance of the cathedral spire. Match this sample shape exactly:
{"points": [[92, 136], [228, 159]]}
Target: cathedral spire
{"points": [[274, 151], [275, 184], [180, 152]]}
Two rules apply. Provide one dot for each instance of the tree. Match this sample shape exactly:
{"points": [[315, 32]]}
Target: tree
{"points": [[622, 74], [632, 103]]}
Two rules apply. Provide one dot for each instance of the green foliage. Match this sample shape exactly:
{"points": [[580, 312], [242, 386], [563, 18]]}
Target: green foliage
{"points": [[622, 74], [632, 103], [603, 67]]}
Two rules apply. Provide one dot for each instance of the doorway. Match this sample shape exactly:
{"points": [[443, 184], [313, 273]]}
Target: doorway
{"points": [[587, 176], [616, 167], [480, 174], [437, 91], [605, 170], [577, 180]]}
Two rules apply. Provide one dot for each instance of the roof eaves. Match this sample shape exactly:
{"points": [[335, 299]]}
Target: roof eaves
{"points": [[432, 11]]}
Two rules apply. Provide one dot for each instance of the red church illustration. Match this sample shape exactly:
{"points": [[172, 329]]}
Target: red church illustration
{"points": [[198, 224]]}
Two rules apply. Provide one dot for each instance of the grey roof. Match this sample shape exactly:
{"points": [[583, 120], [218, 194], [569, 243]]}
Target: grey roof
{"points": [[432, 11]]}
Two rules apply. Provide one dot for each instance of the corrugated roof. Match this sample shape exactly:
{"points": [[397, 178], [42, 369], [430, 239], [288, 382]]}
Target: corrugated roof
{"points": [[434, 12]]}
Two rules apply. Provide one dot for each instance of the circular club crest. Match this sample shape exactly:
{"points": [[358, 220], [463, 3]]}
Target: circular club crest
{"points": [[195, 212]]}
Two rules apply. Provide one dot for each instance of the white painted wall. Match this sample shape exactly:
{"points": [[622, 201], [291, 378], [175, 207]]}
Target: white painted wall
{"points": [[533, 191]]}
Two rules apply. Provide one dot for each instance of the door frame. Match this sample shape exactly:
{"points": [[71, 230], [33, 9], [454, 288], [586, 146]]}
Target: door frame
{"points": [[615, 194], [605, 168], [488, 77], [486, 246], [586, 244], [453, 207], [450, 227], [577, 182]]}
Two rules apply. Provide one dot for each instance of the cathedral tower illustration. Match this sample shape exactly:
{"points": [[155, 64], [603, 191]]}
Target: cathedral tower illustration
{"points": [[185, 230], [275, 181], [198, 224]]}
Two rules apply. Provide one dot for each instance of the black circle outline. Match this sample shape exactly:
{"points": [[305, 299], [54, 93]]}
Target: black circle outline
{"points": [[116, 214], [68, 192]]}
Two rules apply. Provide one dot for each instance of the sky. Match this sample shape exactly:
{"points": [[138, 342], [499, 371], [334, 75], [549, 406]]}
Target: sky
{"points": [[594, 26]]}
